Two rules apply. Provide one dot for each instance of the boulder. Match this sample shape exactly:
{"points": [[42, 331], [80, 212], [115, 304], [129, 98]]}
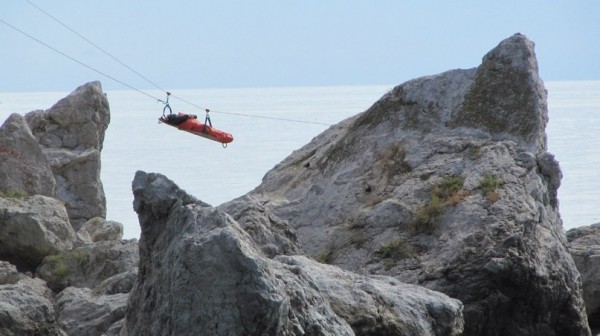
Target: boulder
{"points": [[200, 271], [99, 229], [71, 134], [89, 265], [118, 283], [83, 313], [9, 273], [24, 170], [444, 182], [584, 245], [32, 228], [26, 308]]}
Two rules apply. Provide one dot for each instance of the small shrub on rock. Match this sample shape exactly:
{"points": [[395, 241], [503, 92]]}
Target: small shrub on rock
{"points": [[425, 220], [396, 250], [13, 194], [58, 266], [490, 185]]}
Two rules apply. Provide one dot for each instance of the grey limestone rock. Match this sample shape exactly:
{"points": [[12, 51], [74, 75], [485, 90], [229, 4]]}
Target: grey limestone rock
{"points": [[82, 312], [32, 228], [26, 308], [200, 272], [9, 273], [445, 182], [584, 245], [273, 235], [71, 134], [118, 283], [99, 229], [507, 97]]}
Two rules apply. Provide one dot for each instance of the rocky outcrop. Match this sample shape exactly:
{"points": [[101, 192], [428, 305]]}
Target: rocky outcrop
{"points": [[199, 270], [507, 98], [71, 134], [437, 209], [584, 245], [445, 182], [41, 171]]}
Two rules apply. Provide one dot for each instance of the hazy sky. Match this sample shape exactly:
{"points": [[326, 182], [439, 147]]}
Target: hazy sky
{"points": [[260, 43]]}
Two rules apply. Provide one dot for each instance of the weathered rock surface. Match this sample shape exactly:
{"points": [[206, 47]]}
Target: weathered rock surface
{"points": [[9, 273], [200, 272], [89, 265], [57, 164], [26, 309], [82, 312], [270, 233], [23, 167], [32, 228], [445, 182], [584, 245], [99, 229], [71, 134]]}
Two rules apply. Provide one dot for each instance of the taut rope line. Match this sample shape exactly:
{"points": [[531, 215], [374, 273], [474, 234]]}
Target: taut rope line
{"points": [[132, 70]]}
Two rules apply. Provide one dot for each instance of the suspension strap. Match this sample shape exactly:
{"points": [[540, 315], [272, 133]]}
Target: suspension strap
{"points": [[167, 106], [207, 119]]}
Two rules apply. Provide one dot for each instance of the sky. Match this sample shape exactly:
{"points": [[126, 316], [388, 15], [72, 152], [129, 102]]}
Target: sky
{"points": [[181, 44]]}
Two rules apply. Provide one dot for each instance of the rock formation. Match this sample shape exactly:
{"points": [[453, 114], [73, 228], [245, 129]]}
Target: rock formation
{"points": [[201, 273], [445, 182], [55, 280], [71, 134], [436, 209]]}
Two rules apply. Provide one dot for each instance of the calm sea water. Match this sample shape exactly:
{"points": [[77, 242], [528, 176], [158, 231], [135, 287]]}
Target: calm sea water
{"points": [[135, 141]]}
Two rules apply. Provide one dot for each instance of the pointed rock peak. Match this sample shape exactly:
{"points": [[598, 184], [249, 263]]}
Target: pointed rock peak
{"points": [[507, 97], [15, 123], [153, 197], [83, 115], [516, 51]]}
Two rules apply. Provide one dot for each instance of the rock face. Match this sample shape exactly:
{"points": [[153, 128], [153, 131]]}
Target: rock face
{"points": [[584, 245], [200, 272], [445, 182], [71, 134]]}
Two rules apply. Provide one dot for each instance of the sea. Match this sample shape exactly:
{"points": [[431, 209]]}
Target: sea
{"points": [[268, 124]]}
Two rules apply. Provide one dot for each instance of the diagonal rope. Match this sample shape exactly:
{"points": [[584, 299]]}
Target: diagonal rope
{"points": [[251, 115], [96, 46], [76, 60], [133, 70]]}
